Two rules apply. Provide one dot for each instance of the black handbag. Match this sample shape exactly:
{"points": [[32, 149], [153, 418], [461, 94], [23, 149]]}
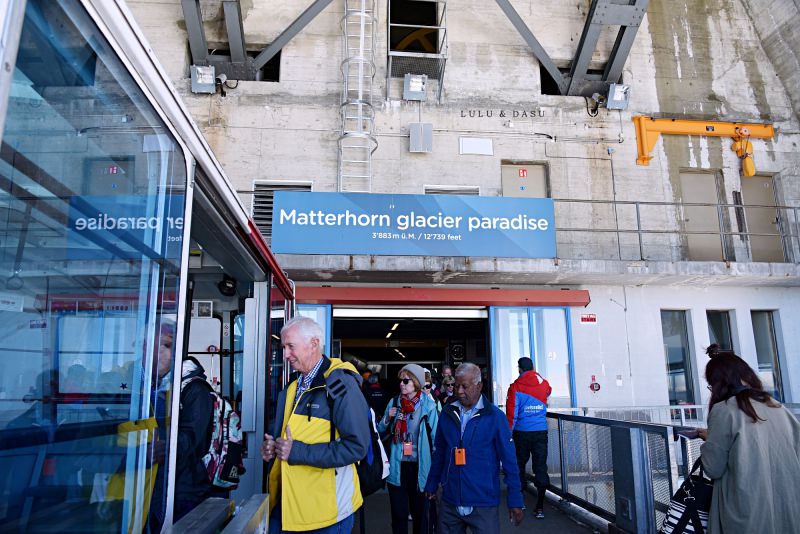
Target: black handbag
{"points": [[688, 508]]}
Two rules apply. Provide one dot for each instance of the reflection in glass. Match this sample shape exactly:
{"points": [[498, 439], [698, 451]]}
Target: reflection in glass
{"points": [[512, 340], [769, 369], [676, 352], [320, 314], [552, 354], [91, 224], [276, 368], [719, 329], [515, 331]]}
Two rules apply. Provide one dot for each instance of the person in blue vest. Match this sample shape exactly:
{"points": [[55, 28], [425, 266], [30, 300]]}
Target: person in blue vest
{"points": [[526, 410], [473, 443]]}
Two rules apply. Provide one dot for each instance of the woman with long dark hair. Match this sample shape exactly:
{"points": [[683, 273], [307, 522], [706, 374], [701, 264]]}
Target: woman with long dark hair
{"points": [[751, 451]]}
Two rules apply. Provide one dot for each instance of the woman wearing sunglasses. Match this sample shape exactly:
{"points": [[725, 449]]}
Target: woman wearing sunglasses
{"points": [[411, 421]]}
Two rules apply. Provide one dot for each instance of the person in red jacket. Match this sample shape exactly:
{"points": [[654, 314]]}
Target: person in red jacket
{"points": [[526, 410]]}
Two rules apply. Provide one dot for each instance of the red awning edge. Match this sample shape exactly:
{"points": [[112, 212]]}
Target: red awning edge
{"points": [[406, 296]]}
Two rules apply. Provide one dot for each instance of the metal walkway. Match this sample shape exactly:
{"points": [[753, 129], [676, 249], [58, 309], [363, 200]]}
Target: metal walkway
{"points": [[378, 518]]}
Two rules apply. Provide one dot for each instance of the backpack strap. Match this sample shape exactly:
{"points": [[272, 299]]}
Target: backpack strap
{"points": [[330, 411], [429, 432], [334, 388]]}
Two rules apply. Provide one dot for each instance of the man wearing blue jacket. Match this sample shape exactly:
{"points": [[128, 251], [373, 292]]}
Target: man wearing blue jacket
{"points": [[526, 410], [473, 442]]}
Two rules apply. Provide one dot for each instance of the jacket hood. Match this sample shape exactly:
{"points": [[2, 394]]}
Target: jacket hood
{"points": [[337, 364], [191, 368], [530, 379]]}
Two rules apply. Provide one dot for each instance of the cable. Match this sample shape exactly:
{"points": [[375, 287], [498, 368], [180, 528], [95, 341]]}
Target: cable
{"points": [[592, 112]]}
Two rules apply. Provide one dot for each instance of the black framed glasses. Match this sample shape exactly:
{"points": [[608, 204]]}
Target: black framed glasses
{"points": [[405, 381], [427, 386]]}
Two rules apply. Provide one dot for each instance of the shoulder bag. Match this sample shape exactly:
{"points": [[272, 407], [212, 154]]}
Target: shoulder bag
{"points": [[688, 508]]}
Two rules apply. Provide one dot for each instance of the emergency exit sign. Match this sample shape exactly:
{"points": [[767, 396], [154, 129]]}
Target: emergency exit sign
{"points": [[588, 318], [523, 173]]}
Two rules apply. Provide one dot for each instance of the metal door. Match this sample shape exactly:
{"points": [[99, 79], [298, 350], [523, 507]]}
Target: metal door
{"points": [[762, 223], [701, 188]]}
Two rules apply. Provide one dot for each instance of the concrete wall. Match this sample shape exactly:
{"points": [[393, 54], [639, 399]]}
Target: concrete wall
{"points": [[627, 339], [776, 25], [729, 60], [689, 60]]}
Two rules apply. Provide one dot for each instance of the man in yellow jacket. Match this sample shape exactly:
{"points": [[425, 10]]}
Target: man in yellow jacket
{"points": [[322, 430]]}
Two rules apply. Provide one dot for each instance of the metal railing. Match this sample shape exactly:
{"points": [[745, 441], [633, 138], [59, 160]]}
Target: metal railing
{"points": [[621, 471], [657, 231], [431, 62], [693, 415], [623, 463]]}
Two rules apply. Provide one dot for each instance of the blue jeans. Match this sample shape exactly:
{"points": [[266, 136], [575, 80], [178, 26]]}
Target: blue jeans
{"points": [[345, 526]]}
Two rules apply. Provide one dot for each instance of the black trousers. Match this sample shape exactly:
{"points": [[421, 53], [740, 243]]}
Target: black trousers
{"points": [[533, 444], [405, 499]]}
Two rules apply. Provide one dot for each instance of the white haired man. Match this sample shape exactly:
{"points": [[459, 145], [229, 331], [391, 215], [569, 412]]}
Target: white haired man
{"points": [[322, 428]]}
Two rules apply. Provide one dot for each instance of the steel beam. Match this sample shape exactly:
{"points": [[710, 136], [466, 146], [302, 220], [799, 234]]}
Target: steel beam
{"points": [[194, 27], [624, 42], [534, 45], [586, 47], [235, 29], [288, 34], [627, 14], [619, 54]]}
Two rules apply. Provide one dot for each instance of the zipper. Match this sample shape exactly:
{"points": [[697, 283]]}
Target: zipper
{"points": [[308, 405]]}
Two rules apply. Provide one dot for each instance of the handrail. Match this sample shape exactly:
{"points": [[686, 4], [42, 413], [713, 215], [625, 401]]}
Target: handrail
{"points": [[208, 518], [621, 471], [787, 219], [251, 517]]}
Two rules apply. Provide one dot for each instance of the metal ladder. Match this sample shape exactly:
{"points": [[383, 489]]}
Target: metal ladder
{"points": [[356, 142]]}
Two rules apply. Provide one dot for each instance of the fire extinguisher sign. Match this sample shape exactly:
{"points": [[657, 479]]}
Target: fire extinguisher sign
{"points": [[523, 173]]}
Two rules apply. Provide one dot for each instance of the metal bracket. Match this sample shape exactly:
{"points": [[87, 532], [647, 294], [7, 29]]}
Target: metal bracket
{"points": [[197, 35], [628, 14], [648, 130], [289, 33]]}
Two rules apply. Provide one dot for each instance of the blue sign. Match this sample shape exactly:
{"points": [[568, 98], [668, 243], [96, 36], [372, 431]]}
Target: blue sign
{"points": [[413, 225], [125, 227]]}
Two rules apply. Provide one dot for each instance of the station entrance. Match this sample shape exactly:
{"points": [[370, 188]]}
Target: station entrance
{"points": [[380, 329], [430, 338]]}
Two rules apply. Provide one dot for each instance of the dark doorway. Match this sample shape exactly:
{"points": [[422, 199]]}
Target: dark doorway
{"points": [[384, 346], [412, 26]]}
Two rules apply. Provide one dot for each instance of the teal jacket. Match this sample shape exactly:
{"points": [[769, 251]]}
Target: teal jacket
{"points": [[427, 431]]}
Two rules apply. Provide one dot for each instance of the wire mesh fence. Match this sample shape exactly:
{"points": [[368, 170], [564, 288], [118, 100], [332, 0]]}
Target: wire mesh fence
{"points": [[588, 457]]}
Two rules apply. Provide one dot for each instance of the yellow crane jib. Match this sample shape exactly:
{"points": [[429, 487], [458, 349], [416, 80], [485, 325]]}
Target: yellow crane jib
{"points": [[649, 129]]}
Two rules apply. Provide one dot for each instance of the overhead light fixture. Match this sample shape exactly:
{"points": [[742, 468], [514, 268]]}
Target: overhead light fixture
{"points": [[276, 338], [395, 326], [400, 353], [388, 335]]}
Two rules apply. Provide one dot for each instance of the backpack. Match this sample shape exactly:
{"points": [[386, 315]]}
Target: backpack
{"points": [[374, 467], [223, 461]]}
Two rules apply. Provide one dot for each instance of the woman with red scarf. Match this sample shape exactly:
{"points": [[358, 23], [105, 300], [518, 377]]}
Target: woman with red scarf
{"points": [[411, 420]]}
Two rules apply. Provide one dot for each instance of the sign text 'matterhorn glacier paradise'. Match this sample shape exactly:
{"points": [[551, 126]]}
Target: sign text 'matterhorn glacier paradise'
{"points": [[429, 225]]}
